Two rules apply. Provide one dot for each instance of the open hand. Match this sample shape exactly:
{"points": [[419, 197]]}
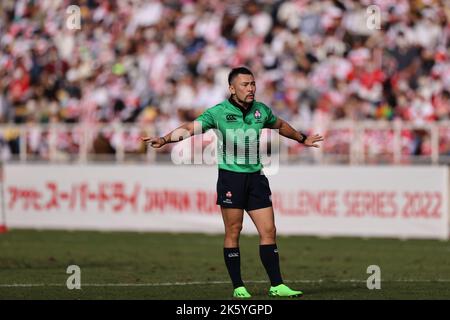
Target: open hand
{"points": [[155, 142], [311, 140]]}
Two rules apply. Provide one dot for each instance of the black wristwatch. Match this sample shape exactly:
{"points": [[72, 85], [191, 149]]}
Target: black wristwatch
{"points": [[303, 137]]}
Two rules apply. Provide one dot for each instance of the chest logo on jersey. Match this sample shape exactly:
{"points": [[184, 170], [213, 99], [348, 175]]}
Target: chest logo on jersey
{"points": [[231, 117], [257, 116]]}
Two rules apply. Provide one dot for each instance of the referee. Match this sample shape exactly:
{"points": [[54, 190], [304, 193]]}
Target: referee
{"points": [[241, 185]]}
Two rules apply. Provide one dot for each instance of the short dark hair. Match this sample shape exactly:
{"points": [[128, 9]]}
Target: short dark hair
{"points": [[237, 71]]}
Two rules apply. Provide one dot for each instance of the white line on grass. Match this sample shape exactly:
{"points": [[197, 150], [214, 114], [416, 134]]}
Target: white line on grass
{"points": [[164, 284]]}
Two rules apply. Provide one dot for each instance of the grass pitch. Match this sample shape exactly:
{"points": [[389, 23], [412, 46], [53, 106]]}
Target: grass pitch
{"points": [[118, 265]]}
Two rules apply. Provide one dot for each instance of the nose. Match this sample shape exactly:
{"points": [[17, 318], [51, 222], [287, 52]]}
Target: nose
{"points": [[251, 89]]}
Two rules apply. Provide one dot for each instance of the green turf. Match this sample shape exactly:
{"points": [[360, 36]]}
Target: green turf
{"points": [[413, 269]]}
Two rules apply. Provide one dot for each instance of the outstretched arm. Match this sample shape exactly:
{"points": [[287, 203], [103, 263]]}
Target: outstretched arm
{"points": [[182, 132], [287, 131]]}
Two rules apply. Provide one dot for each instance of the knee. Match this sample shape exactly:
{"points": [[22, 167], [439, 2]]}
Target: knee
{"points": [[268, 233], [233, 230]]}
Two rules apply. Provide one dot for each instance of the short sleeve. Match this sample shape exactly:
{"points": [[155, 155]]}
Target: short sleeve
{"points": [[271, 118], [206, 119]]}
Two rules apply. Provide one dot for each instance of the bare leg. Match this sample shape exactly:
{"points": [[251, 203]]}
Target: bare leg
{"points": [[265, 224], [232, 219]]}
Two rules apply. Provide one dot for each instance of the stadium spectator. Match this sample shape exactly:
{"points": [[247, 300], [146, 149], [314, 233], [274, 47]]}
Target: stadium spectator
{"points": [[315, 59]]}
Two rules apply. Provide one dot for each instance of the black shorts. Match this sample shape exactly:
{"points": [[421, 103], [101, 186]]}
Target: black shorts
{"points": [[248, 191]]}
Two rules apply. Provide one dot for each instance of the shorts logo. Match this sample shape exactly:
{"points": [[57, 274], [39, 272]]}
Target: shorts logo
{"points": [[231, 117], [228, 200], [257, 114]]}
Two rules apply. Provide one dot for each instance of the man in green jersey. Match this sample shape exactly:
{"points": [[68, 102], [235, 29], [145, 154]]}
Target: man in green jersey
{"points": [[241, 185]]}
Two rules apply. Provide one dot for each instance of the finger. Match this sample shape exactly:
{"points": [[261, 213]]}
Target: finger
{"points": [[316, 146], [145, 138], [151, 141]]}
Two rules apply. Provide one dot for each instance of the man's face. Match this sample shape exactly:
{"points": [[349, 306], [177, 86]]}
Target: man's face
{"points": [[244, 87]]}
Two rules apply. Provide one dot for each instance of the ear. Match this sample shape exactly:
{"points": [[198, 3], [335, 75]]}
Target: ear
{"points": [[232, 89]]}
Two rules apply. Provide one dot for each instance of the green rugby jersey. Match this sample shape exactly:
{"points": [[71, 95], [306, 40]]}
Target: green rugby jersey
{"points": [[238, 131]]}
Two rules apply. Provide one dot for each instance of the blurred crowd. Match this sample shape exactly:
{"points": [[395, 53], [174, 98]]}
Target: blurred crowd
{"points": [[151, 62]]}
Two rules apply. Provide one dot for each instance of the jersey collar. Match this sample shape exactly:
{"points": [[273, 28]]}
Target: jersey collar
{"points": [[244, 111]]}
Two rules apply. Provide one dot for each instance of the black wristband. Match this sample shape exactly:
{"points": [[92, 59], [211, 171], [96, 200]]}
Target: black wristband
{"points": [[165, 141], [303, 138]]}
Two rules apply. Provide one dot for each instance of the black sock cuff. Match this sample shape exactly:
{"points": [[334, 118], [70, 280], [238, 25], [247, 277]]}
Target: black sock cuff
{"points": [[268, 246], [231, 252]]}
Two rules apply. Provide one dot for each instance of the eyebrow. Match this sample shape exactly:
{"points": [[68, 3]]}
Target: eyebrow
{"points": [[247, 82]]}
